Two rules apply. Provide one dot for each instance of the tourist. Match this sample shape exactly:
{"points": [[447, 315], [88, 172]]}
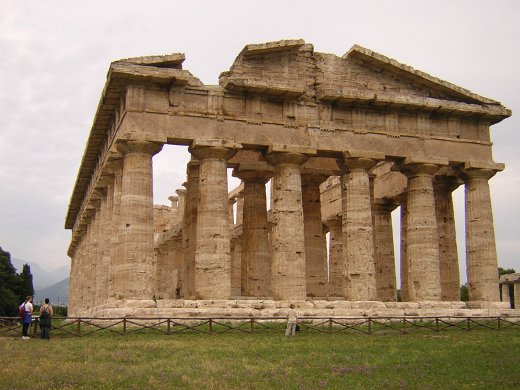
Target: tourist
{"points": [[27, 316], [46, 313], [292, 321]]}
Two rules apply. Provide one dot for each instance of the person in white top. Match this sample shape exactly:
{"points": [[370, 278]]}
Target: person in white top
{"points": [[292, 320], [27, 316]]}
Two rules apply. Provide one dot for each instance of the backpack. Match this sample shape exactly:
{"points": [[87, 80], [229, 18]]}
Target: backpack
{"points": [[21, 310], [44, 314]]}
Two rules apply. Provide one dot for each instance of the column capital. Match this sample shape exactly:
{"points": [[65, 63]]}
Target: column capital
{"points": [[418, 169], [414, 166], [333, 222], [251, 175], [353, 160], [478, 173], [112, 166], [313, 179], [277, 158], [447, 182], [385, 204], [180, 191], [151, 148], [215, 152], [173, 198]]}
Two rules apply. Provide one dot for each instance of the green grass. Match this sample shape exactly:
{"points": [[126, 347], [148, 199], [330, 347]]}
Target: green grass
{"points": [[481, 359]]}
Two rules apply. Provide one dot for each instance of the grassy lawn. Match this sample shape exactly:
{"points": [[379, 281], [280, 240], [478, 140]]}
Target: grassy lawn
{"points": [[480, 359]]}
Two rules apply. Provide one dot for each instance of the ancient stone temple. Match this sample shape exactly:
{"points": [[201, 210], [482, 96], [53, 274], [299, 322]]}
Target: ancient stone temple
{"points": [[342, 141]]}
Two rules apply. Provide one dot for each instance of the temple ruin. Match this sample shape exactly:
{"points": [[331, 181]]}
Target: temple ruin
{"points": [[343, 141]]}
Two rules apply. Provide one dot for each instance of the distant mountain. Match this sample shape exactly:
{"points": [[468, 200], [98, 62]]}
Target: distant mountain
{"points": [[42, 278], [57, 293]]}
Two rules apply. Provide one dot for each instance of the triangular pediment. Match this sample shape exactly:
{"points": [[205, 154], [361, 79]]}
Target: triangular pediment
{"points": [[379, 73]]}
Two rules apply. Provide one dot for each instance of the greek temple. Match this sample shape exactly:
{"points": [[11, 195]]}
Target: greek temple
{"points": [[341, 142]]}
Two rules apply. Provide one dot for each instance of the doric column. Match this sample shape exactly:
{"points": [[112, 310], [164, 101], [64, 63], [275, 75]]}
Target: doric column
{"points": [[231, 202], [481, 254], [315, 240], [384, 251], [95, 238], [189, 228], [504, 289], [405, 292], [336, 258], [174, 210], [212, 256], [448, 256], [101, 215], [358, 240], [114, 167], [240, 208], [422, 250], [133, 274], [256, 262], [181, 193], [287, 237], [236, 264]]}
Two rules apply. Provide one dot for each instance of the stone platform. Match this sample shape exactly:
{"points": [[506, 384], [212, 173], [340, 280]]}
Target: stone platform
{"points": [[257, 308]]}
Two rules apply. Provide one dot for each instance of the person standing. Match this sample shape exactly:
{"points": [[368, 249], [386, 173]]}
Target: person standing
{"points": [[46, 313], [27, 316], [292, 321]]}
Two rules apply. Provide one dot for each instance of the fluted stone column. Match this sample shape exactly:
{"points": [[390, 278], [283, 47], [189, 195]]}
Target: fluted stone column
{"points": [[336, 258], [133, 273], [102, 264], [358, 240], [256, 261], [95, 259], [174, 210], [422, 249], [405, 292], [231, 202], [240, 209], [115, 167], [181, 193], [481, 254], [315, 240], [212, 256], [504, 288], [236, 264], [287, 237], [384, 252], [448, 256], [189, 228]]}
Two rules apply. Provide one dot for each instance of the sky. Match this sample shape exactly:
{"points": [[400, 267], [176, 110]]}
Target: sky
{"points": [[55, 55]]}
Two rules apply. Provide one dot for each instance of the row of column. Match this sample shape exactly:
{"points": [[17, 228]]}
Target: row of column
{"points": [[114, 258]]}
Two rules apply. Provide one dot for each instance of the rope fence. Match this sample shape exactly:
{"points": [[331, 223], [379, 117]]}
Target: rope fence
{"points": [[86, 326]]}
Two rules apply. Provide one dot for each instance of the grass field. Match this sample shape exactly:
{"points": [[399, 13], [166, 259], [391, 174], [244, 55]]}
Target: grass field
{"points": [[481, 359]]}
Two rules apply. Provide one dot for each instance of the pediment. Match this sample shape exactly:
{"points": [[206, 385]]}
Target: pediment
{"points": [[292, 69], [380, 73]]}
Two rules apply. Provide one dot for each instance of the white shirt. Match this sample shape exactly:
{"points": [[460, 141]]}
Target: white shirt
{"points": [[28, 307]]}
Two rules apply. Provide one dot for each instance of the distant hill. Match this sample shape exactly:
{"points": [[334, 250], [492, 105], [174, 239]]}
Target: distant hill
{"points": [[57, 293], [42, 278]]}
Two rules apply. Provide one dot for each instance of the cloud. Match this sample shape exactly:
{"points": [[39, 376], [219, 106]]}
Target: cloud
{"points": [[55, 56]]}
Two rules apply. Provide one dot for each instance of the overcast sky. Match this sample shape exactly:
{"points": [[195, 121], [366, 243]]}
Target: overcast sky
{"points": [[55, 56]]}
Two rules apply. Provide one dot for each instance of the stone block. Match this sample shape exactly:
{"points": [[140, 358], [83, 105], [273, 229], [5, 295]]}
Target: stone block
{"points": [[487, 305], [368, 305]]}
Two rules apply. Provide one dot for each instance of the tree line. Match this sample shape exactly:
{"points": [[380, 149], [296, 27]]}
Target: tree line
{"points": [[14, 287]]}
